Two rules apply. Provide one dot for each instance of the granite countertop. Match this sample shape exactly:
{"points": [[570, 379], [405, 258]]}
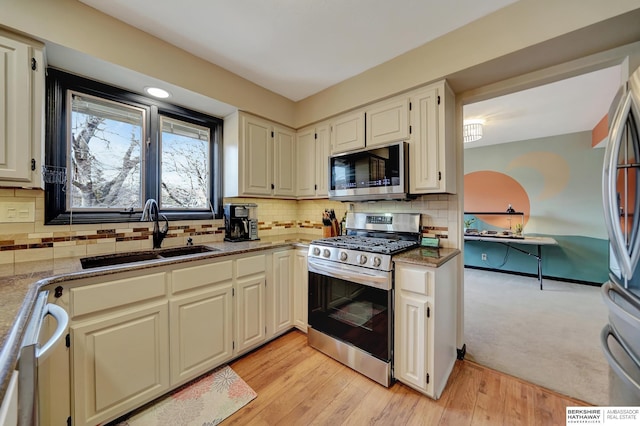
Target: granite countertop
{"points": [[427, 256], [21, 282]]}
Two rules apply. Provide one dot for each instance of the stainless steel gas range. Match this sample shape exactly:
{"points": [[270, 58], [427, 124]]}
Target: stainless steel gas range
{"points": [[351, 291]]}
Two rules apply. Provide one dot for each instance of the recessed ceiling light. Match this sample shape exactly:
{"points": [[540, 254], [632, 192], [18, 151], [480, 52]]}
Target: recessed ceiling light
{"points": [[157, 92]]}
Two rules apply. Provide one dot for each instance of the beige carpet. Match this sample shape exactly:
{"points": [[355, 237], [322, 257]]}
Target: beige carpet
{"points": [[207, 401], [549, 337]]}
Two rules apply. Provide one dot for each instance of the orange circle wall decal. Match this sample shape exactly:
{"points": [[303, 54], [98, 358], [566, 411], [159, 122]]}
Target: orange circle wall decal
{"points": [[489, 191]]}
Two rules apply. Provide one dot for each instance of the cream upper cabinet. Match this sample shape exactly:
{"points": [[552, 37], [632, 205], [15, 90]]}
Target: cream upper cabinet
{"points": [[257, 165], [280, 293], [258, 157], [432, 146], [425, 326], [21, 111], [284, 172], [313, 150], [347, 132], [388, 122], [300, 290]]}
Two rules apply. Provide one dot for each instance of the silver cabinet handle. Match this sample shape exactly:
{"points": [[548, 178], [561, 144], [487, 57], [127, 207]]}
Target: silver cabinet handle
{"points": [[613, 362], [62, 319]]}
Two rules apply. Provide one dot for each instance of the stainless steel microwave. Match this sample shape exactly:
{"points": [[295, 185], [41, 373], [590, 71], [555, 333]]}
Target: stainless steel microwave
{"points": [[376, 173]]}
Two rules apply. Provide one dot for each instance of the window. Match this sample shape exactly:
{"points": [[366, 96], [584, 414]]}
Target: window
{"points": [[120, 149]]}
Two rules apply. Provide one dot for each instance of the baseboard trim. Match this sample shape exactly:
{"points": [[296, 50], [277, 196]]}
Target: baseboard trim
{"points": [[526, 274]]}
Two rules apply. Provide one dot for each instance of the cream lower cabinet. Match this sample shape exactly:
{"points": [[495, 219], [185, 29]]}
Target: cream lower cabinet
{"points": [[250, 293], [119, 362], [425, 326], [9, 405], [280, 293], [300, 289], [201, 313], [140, 334]]}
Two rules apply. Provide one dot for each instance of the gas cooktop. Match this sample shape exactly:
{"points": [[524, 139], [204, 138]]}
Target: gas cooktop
{"points": [[368, 244]]}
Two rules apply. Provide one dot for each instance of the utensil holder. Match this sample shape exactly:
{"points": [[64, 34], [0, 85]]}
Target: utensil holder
{"points": [[327, 231]]}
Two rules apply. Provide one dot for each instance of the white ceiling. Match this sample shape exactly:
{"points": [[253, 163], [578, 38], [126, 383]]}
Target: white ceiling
{"points": [[567, 106], [299, 47]]}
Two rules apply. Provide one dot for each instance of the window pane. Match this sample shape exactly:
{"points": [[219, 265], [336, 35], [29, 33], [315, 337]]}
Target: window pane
{"points": [[105, 154], [184, 170]]}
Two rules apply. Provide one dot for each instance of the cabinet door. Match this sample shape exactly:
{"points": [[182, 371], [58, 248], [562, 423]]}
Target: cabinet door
{"points": [[300, 290], [323, 150], [285, 162], [424, 146], [201, 331], [250, 312], [410, 352], [347, 133], [257, 156], [281, 293], [388, 122], [305, 154], [15, 110], [119, 362]]}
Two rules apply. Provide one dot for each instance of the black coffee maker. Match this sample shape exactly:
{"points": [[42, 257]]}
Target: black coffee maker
{"points": [[240, 222]]}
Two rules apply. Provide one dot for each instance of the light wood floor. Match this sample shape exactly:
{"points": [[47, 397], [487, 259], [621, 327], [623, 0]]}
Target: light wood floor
{"points": [[298, 385]]}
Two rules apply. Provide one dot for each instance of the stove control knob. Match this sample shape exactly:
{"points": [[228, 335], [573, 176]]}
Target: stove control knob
{"points": [[376, 261], [343, 255], [362, 259], [316, 251], [326, 253]]}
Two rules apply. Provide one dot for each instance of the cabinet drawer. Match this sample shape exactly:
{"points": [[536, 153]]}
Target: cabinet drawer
{"points": [[415, 279], [198, 276], [112, 294], [250, 265]]}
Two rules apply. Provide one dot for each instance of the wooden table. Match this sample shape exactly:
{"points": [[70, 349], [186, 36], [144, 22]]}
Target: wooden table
{"points": [[509, 241]]}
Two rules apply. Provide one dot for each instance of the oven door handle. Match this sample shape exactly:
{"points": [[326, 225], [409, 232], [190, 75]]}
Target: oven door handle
{"points": [[361, 276]]}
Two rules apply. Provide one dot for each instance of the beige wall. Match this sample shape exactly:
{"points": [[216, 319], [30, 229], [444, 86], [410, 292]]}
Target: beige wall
{"points": [[72, 24], [515, 28]]}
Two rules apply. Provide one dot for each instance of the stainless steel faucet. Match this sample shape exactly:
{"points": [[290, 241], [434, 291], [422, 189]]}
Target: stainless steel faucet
{"points": [[151, 213]]}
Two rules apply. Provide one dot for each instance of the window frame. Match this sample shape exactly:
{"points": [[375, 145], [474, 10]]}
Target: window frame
{"points": [[56, 151]]}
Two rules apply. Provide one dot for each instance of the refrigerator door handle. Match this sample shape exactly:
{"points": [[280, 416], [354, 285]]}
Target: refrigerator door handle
{"points": [[613, 362], [628, 258]]}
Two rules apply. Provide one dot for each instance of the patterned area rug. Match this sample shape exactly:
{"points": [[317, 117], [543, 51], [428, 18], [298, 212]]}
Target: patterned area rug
{"points": [[206, 401]]}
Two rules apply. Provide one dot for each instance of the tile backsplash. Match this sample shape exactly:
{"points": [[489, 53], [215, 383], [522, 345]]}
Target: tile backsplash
{"points": [[29, 241]]}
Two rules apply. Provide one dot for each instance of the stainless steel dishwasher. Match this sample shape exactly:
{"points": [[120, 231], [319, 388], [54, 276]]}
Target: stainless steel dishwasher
{"points": [[32, 353]]}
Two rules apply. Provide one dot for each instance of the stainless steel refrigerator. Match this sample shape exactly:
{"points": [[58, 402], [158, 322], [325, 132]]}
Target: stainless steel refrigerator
{"points": [[621, 197]]}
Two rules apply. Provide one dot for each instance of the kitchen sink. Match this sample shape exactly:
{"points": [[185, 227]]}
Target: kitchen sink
{"points": [[183, 251], [141, 256]]}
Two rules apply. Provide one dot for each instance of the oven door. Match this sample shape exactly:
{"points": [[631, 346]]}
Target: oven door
{"points": [[342, 306]]}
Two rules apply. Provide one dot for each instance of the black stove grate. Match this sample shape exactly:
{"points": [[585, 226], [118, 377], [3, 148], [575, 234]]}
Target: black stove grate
{"points": [[368, 244]]}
